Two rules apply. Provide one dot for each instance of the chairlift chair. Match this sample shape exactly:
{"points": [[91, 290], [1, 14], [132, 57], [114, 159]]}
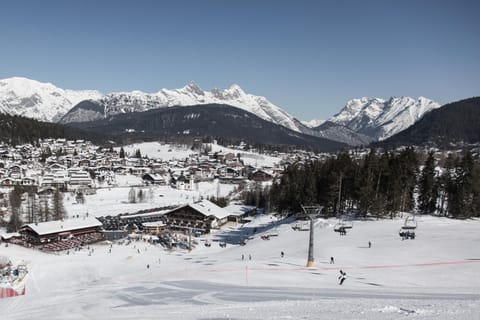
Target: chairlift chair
{"points": [[407, 231], [342, 226], [410, 223]]}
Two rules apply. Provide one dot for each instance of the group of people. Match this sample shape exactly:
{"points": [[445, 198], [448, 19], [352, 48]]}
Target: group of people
{"points": [[249, 257]]}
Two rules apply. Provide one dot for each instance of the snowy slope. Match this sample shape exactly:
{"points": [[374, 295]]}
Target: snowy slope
{"points": [[380, 118], [432, 277], [42, 101], [337, 132]]}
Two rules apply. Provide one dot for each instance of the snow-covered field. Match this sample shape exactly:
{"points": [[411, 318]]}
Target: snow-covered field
{"points": [[168, 152], [434, 276], [114, 200]]}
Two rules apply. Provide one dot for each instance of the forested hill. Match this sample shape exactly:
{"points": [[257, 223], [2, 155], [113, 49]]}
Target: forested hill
{"points": [[207, 120], [457, 122], [379, 184], [18, 130]]}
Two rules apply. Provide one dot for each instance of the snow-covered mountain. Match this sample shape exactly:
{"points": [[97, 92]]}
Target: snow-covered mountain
{"points": [[359, 122], [191, 94], [336, 132], [313, 123], [42, 101], [380, 118]]}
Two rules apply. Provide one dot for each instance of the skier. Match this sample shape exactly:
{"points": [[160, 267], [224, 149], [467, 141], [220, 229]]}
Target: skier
{"points": [[148, 266], [249, 257], [369, 244], [243, 257], [332, 261], [282, 254], [342, 277]]}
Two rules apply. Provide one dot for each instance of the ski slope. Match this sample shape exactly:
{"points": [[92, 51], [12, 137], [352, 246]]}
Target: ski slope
{"points": [[434, 276]]}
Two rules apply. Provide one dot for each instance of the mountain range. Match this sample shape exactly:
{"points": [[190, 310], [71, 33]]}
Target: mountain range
{"points": [[206, 120], [360, 122], [454, 125]]}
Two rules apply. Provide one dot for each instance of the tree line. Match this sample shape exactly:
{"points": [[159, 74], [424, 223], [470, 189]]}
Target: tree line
{"points": [[378, 184], [27, 206]]}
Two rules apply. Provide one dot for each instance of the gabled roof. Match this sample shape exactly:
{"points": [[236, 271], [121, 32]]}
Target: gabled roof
{"points": [[207, 208], [57, 226]]}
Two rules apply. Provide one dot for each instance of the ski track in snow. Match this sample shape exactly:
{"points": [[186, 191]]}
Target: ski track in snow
{"points": [[431, 277]]}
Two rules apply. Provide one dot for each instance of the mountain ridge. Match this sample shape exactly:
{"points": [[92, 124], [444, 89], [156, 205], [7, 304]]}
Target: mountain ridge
{"points": [[455, 124], [381, 118], [209, 120], [360, 121]]}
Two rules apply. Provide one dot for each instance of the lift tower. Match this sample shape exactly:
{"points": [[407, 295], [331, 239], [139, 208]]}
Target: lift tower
{"points": [[311, 212]]}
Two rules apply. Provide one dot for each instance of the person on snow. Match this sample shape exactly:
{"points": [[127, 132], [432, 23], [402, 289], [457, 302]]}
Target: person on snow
{"points": [[342, 277], [282, 254], [332, 261], [369, 244]]}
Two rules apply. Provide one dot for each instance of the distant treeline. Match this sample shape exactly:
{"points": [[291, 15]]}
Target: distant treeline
{"points": [[16, 130], [379, 185]]}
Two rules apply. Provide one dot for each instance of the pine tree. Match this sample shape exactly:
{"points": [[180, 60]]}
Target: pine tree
{"points": [[132, 196], [80, 197], [140, 195], [428, 190], [15, 198], [58, 207], [138, 154], [122, 153]]}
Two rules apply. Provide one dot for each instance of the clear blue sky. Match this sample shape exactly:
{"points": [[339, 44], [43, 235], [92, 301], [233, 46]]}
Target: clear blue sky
{"points": [[309, 57]]}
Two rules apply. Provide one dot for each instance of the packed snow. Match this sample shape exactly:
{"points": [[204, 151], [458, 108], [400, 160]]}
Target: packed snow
{"points": [[434, 276]]}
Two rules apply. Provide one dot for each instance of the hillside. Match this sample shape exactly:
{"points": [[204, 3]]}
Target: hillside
{"points": [[217, 121], [18, 130], [452, 124]]}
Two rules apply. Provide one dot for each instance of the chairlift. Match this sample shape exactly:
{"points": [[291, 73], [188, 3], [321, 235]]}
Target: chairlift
{"points": [[410, 223], [342, 226], [407, 231], [301, 226]]}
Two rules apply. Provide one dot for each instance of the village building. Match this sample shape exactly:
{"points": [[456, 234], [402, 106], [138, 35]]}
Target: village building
{"points": [[261, 176], [199, 216], [62, 234], [239, 213], [157, 179], [79, 178]]}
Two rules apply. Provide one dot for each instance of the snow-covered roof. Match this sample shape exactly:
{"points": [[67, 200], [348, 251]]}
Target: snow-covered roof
{"points": [[238, 209], [209, 208], [148, 214], [7, 236], [57, 226]]}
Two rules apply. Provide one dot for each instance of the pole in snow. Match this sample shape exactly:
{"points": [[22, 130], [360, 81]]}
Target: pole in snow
{"points": [[311, 212]]}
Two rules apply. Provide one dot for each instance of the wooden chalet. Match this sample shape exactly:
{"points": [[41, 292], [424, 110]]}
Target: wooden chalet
{"points": [[240, 212], [72, 231], [152, 178], [261, 176], [199, 216]]}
